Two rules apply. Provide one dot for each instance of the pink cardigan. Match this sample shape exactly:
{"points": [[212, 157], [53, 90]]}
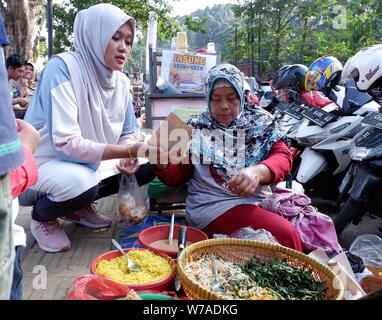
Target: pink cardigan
{"points": [[316, 229]]}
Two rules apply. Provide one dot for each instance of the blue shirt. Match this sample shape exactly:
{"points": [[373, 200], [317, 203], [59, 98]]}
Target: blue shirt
{"points": [[4, 41], [11, 154]]}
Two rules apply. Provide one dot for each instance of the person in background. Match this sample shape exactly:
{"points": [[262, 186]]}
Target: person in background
{"points": [[227, 181], [249, 95], [16, 66], [11, 157], [27, 84], [83, 111]]}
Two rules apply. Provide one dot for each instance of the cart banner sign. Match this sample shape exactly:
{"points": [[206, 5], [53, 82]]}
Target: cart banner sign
{"points": [[186, 71]]}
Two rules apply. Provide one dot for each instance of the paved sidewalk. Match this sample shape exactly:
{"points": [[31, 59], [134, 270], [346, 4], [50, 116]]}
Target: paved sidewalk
{"points": [[63, 268]]}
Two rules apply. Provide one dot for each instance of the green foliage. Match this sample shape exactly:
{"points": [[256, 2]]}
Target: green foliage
{"points": [[42, 48], [209, 25], [64, 15], [276, 32], [299, 31]]}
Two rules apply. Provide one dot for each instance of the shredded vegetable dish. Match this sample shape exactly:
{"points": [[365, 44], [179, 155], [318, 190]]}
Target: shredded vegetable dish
{"points": [[273, 280], [236, 283], [152, 267]]}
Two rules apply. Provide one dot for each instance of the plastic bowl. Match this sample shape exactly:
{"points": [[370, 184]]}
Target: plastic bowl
{"points": [[163, 284], [160, 232]]}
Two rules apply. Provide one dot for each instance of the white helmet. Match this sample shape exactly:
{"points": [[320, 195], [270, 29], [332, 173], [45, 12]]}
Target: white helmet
{"points": [[365, 67]]}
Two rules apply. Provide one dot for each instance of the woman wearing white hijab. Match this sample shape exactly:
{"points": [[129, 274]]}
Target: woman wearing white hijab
{"points": [[82, 109]]}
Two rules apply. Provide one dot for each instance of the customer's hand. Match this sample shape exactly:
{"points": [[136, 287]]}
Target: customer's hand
{"points": [[23, 102], [152, 152], [128, 166], [245, 182], [28, 135]]}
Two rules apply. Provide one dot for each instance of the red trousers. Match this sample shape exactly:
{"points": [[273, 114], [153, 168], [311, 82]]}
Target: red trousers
{"points": [[258, 218]]}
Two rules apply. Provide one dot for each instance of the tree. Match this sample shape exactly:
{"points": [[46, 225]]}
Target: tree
{"points": [[24, 22], [214, 24], [299, 31], [64, 15]]}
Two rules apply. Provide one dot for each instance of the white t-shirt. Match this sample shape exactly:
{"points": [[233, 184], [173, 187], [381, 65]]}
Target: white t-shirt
{"points": [[19, 235]]}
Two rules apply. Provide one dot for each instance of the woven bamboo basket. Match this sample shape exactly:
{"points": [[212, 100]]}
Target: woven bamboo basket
{"points": [[241, 251]]}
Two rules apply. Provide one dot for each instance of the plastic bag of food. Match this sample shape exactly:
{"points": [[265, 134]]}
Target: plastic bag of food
{"points": [[251, 234], [131, 203], [369, 248], [96, 287]]}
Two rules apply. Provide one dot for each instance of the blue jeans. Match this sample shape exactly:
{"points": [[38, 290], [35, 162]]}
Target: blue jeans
{"points": [[45, 209], [6, 238], [17, 283]]}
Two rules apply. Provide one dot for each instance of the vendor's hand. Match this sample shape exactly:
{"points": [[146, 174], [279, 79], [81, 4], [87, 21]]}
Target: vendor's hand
{"points": [[128, 166], [28, 135], [245, 182]]}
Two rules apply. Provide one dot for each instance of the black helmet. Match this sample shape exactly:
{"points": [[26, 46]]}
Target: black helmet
{"points": [[290, 77], [278, 76]]}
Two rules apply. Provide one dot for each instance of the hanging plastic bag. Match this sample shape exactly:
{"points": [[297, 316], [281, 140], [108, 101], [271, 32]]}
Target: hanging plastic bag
{"points": [[131, 203], [369, 248], [96, 287]]}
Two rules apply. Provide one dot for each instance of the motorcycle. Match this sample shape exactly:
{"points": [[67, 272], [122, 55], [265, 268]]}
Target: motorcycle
{"points": [[328, 133], [289, 104], [364, 178]]}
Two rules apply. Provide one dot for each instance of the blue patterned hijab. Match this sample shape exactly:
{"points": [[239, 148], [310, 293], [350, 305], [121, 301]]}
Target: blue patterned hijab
{"points": [[244, 142]]}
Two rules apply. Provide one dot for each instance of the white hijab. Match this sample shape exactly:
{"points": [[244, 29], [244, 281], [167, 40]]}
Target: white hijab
{"points": [[102, 95]]}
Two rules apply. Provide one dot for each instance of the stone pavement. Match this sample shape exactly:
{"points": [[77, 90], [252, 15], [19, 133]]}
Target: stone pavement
{"points": [[62, 268]]}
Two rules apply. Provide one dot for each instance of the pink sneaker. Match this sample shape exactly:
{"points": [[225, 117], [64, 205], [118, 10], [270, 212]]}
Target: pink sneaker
{"points": [[89, 217], [50, 236]]}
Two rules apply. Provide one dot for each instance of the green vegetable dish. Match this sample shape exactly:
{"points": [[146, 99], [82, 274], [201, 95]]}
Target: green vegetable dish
{"points": [[289, 282]]}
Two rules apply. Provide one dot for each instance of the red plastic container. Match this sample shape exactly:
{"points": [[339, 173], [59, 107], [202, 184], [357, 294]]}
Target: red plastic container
{"points": [[160, 232], [163, 284]]}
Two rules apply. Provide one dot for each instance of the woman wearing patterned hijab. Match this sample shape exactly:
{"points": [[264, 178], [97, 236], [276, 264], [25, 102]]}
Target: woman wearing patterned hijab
{"points": [[236, 154], [83, 111]]}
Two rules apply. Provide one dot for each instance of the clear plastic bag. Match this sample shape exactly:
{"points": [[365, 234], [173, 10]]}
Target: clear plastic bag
{"points": [[369, 248], [131, 203], [249, 233]]}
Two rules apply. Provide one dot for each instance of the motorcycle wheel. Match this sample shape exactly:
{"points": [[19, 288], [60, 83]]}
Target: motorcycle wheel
{"points": [[349, 211]]}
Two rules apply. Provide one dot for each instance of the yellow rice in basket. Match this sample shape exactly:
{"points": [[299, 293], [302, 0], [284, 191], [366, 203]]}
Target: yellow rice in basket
{"points": [[152, 268]]}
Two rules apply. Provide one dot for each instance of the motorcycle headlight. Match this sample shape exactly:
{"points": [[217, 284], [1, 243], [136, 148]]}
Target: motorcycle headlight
{"points": [[294, 127], [340, 128], [312, 140], [366, 144], [359, 153]]}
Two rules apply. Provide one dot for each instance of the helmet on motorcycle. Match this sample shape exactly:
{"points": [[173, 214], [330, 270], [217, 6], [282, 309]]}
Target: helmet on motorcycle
{"points": [[322, 71], [278, 75], [292, 77], [365, 68]]}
